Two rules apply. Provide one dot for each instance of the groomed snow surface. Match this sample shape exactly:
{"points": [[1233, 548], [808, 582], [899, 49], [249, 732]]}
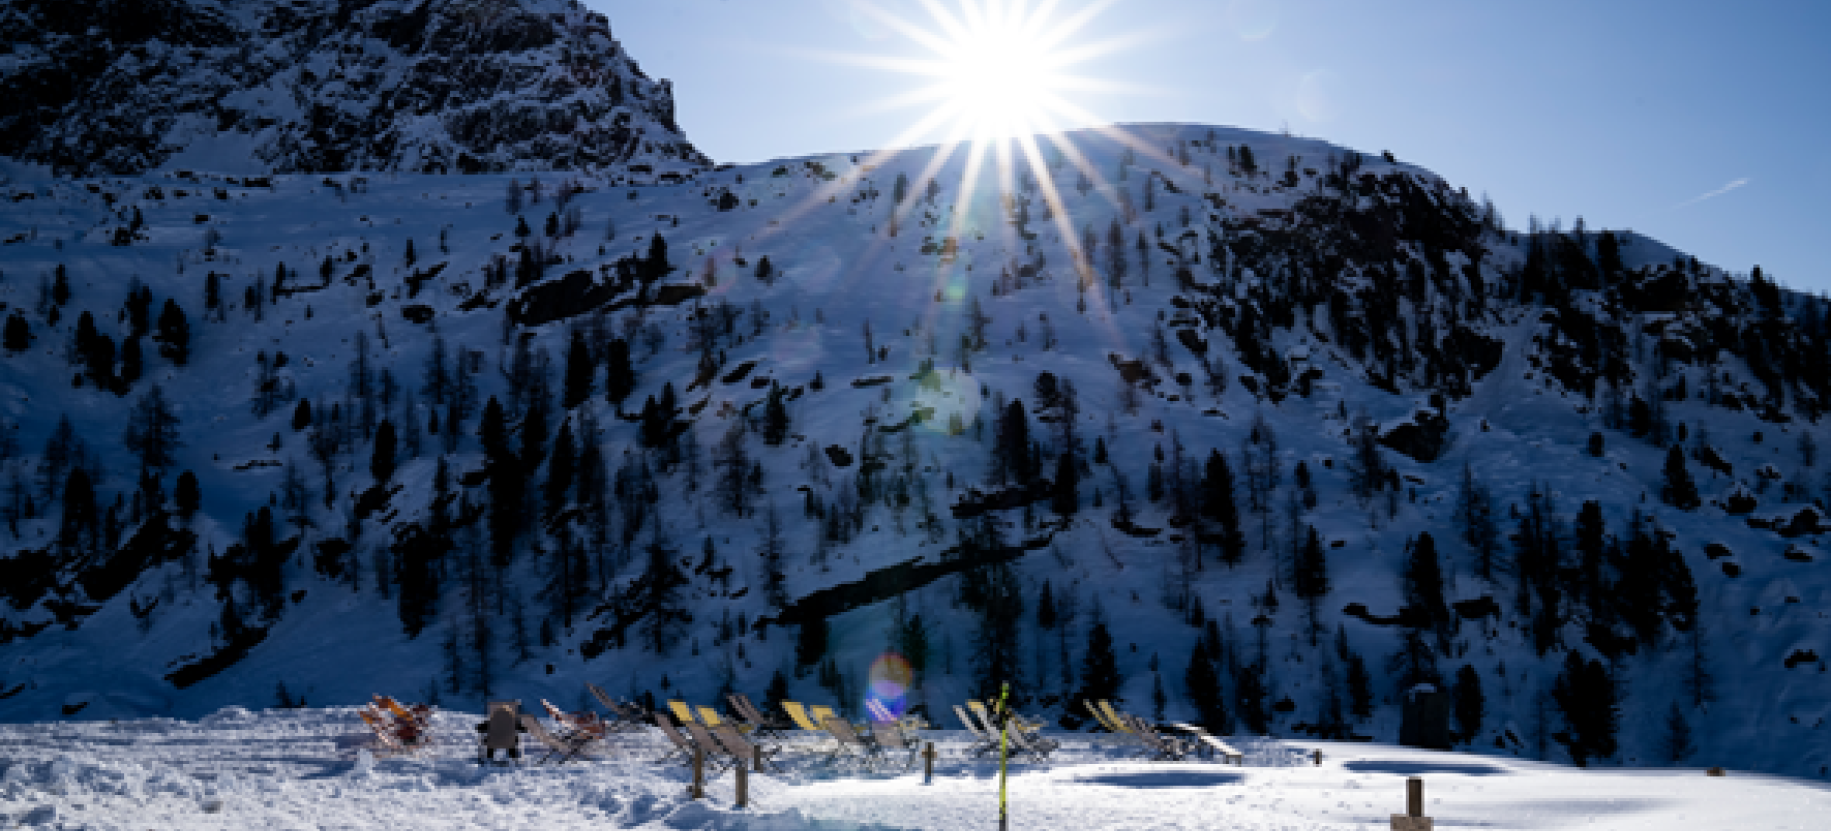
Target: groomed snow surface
{"points": [[313, 769]]}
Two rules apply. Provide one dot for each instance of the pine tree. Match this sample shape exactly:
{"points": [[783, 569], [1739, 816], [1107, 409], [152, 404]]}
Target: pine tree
{"points": [[173, 334], [1585, 693], [1470, 705], [1677, 488], [1204, 687], [619, 374], [810, 646], [1218, 507], [152, 431], [18, 335], [1100, 678], [1423, 584], [579, 370], [80, 521], [187, 497], [1676, 744], [383, 455], [1311, 581], [505, 483], [1065, 498], [775, 416]]}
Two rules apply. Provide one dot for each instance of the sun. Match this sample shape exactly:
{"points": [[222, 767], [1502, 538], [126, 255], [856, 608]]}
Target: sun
{"points": [[995, 68], [1000, 73]]}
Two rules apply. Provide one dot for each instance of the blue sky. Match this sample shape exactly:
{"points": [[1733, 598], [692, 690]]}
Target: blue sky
{"points": [[1702, 124]]}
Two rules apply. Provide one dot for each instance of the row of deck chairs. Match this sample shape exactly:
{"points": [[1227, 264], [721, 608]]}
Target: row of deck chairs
{"points": [[1022, 737], [398, 728], [1156, 746]]}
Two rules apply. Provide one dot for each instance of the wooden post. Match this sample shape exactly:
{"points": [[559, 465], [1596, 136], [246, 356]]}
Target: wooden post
{"points": [[928, 764], [743, 786], [756, 758], [1413, 819], [698, 790], [1318, 757]]}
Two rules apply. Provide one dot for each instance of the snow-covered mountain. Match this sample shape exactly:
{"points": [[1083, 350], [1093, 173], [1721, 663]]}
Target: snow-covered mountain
{"points": [[98, 87], [1230, 426]]}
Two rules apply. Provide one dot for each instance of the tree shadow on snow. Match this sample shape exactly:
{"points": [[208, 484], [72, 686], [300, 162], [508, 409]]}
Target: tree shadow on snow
{"points": [[1164, 779], [1418, 768]]}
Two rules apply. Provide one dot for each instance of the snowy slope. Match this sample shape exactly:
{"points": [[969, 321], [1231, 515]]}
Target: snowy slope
{"points": [[825, 225]]}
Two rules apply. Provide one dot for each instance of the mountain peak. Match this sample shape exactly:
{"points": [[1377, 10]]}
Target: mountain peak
{"points": [[102, 87]]}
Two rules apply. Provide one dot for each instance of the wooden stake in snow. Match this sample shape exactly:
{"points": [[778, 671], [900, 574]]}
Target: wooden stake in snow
{"points": [[743, 786], [928, 764], [698, 790], [1413, 819]]}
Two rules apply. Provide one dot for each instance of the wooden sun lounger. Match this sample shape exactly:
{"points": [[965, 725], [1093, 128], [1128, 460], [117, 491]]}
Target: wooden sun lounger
{"points": [[761, 725], [1212, 743], [890, 736], [867, 751], [683, 746], [745, 749], [682, 713], [983, 742], [1159, 748], [622, 719], [566, 746], [716, 754], [799, 714]]}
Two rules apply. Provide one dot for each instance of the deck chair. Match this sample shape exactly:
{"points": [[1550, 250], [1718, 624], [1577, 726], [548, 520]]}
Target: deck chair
{"points": [[890, 738], [1033, 746], [720, 757], [710, 717], [620, 719], [877, 711], [986, 715], [585, 723], [983, 742], [820, 713], [1158, 748], [683, 746], [566, 746], [760, 724], [1100, 716], [682, 713], [745, 749], [500, 731], [1211, 743], [852, 744], [799, 714], [385, 740]]}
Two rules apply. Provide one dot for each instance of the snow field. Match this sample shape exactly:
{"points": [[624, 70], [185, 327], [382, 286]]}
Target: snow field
{"points": [[311, 769]]}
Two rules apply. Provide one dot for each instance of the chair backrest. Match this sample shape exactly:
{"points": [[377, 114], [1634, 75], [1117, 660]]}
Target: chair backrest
{"points": [[673, 733], [985, 718], [538, 730], [1094, 710], [709, 716], [681, 711], [703, 739], [1115, 717], [499, 731], [888, 734], [842, 730], [734, 742], [741, 705], [971, 726], [821, 713], [796, 712], [603, 698], [878, 711]]}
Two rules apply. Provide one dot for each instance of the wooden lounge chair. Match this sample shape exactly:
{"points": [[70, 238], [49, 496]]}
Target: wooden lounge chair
{"points": [[720, 757], [500, 731], [820, 713], [584, 723], [745, 749], [799, 714], [985, 714], [890, 738], [761, 725], [852, 744], [1032, 745], [567, 746], [683, 746], [983, 742], [385, 739], [1211, 743], [623, 719], [682, 713], [1158, 748]]}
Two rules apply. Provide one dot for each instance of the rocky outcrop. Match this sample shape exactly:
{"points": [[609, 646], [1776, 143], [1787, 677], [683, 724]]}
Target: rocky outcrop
{"points": [[99, 87]]}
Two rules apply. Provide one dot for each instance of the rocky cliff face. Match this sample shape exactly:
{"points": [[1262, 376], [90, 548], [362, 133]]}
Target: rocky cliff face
{"points": [[98, 87]]}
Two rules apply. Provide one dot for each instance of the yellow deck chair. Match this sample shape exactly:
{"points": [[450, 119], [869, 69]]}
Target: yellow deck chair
{"points": [[682, 712], [1112, 716], [799, 716], [821, 713], [985, 715], [708, 716], [1100, 716]]}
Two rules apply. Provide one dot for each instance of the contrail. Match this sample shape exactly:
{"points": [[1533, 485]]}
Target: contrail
{"points": [[1715, 193]]}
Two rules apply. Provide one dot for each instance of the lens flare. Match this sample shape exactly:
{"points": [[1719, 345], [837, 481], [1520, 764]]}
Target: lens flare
{"points": [[890, 678]]}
